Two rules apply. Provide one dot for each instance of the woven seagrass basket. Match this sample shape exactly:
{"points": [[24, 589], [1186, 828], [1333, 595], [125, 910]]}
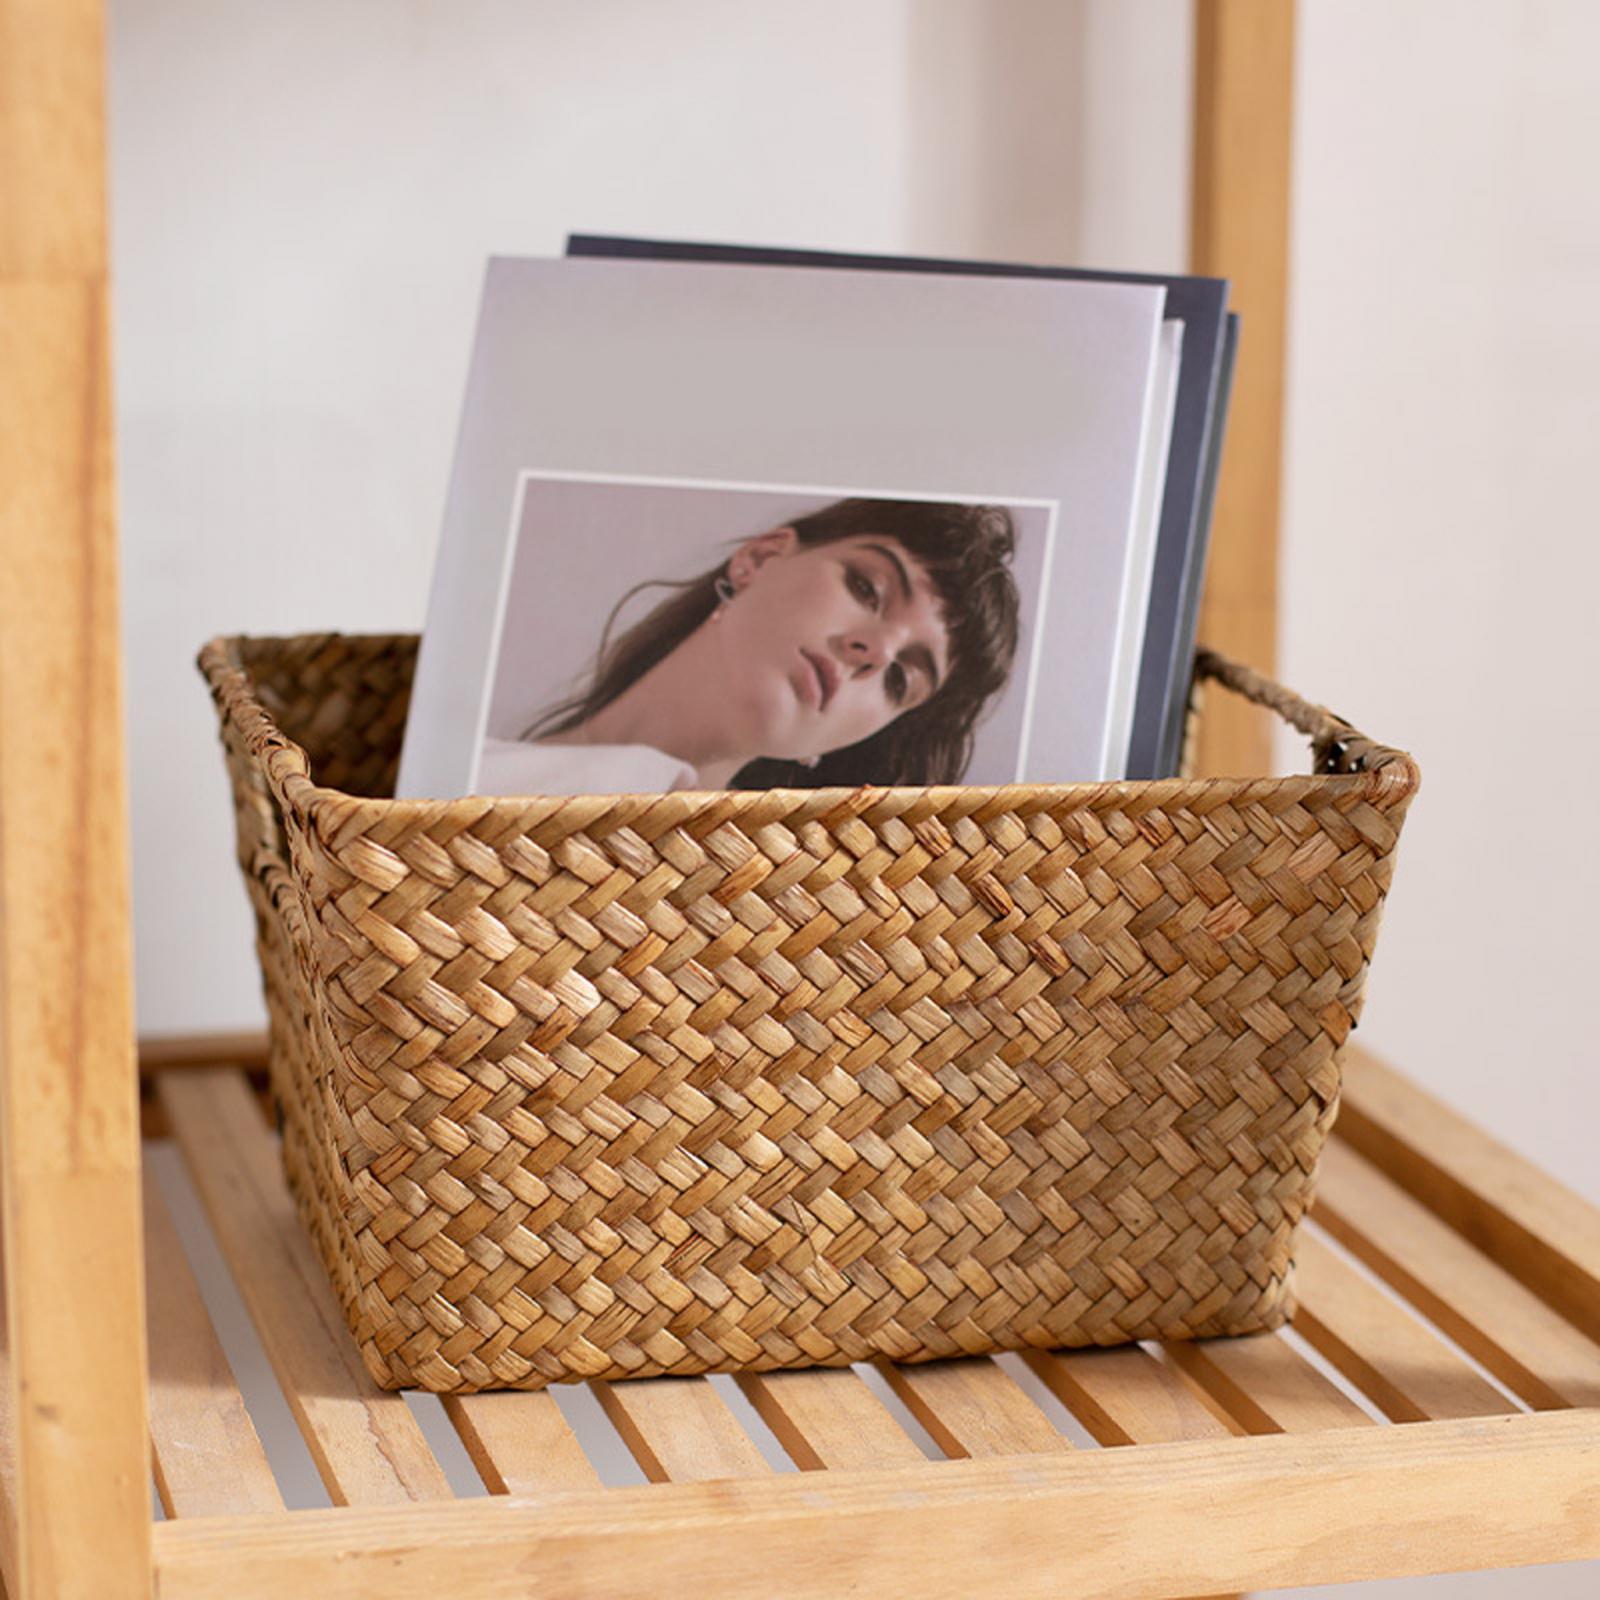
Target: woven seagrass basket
{"points": [[618, 1086]]}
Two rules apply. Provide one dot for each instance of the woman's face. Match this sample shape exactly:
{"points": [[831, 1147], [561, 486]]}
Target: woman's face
{"points": [[823, 645]]}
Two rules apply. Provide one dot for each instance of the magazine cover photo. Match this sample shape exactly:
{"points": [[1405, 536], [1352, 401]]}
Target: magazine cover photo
{"points": [[660, 634]]}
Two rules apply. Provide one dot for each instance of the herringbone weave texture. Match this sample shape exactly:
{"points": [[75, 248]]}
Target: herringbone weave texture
{"points": [[603, 1087]]}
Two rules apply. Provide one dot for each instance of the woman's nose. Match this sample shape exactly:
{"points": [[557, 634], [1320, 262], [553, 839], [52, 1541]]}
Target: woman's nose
{"points": [[865, 649]]}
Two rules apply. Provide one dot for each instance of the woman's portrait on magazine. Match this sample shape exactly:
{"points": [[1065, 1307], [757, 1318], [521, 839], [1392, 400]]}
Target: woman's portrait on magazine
{"points": [[755, 637]]}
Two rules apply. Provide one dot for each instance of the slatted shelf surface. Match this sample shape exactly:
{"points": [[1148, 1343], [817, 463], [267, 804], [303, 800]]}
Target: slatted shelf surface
{"points": [[1407, 1322]]}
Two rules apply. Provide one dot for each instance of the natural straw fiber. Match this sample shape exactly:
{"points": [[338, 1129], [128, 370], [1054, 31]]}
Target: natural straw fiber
{"points": [[615, 1086]]}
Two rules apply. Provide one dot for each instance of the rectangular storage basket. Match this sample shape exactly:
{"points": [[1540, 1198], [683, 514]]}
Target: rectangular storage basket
{"points": [[616, 1086]]}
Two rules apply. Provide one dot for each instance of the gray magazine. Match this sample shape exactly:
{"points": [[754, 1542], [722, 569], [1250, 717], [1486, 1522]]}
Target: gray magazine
{"points": [[695, 510]]}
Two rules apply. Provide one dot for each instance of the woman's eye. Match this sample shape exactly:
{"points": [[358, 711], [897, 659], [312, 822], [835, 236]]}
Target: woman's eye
{"points": [[895, 681], [861, 586]]}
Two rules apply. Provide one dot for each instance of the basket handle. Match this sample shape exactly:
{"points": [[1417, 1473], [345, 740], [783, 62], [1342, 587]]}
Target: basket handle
{"points": [[1337, 746]]}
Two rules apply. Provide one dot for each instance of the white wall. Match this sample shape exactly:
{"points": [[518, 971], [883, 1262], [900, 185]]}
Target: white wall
{"points": [[1440, 567]]}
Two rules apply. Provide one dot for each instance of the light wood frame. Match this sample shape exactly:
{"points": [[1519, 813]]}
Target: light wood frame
{"points": [[1239, 230], [68, 1091], [1227, 1466]]}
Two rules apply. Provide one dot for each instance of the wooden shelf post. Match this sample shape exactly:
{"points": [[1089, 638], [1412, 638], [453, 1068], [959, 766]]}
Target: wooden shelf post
{"points": [[1243, 132], [76, 1524]]}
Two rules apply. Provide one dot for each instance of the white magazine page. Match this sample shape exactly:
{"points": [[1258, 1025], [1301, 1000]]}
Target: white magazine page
{"points": [[1140, 571], [1026, 396]]}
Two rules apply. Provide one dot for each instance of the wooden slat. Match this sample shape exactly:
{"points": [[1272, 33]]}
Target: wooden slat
{"points": [[680, 1430], [164, 1052], [68, 1089], [829, 1418], [1126, 1396], [1239, 219], [1407, 1371], [974, 1408], [1536, 1228], [366, 1444], [1531, 1349], [1204, 1516], [208, 1460], [1266, 1386], [520, 1443]]}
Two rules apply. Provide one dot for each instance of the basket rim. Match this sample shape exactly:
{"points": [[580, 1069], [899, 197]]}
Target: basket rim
{"points": [[1382, 775]]}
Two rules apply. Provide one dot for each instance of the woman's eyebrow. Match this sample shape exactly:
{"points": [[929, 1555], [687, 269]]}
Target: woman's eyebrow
{"points": [[914, 655]]}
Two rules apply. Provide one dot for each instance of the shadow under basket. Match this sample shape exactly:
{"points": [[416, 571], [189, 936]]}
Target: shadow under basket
{"points": [[606, 1086]]}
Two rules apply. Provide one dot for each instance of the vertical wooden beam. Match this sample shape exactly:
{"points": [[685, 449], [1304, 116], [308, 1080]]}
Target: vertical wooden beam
{"points": [[68, 1089], [1243, 129]]}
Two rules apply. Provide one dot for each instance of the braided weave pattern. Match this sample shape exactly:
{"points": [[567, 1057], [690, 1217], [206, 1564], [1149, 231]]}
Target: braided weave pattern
{"points": [[605, 1087]]}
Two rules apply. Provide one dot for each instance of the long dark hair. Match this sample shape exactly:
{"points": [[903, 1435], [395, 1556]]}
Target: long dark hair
{"points": [[966, 551]]}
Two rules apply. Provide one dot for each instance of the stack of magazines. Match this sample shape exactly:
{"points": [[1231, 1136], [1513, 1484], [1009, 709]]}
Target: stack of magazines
{"points": [[726, 517]]}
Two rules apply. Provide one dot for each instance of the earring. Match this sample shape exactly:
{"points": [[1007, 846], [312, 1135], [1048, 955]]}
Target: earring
{"points": [[724, 588]]}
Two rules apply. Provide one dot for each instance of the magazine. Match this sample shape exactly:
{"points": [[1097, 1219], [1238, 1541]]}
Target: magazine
{"points": [[710, 528]]}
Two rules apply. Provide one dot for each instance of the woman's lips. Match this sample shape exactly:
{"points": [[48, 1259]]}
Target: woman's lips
{"points": [[827, 676]]}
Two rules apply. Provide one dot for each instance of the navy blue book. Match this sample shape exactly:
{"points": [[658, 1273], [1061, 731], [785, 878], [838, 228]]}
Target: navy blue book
{"points": [[1201, 305], [1189, 619]]}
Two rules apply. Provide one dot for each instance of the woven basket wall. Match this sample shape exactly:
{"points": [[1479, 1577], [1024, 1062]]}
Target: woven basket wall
{"points": [[603, 1087]]}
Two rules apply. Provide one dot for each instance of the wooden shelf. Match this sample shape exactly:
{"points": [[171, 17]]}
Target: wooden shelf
{"points": [[1189, 1470], [1363, 1443]]}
